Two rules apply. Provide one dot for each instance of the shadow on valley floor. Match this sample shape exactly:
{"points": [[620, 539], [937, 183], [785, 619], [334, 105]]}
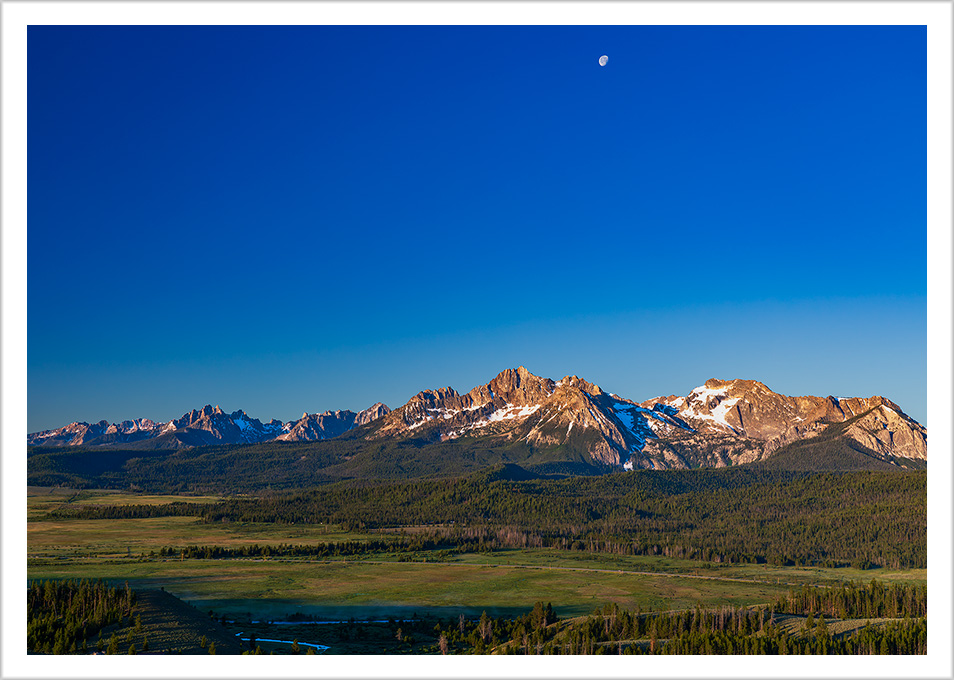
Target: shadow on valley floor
{"points": [[294, 611]]}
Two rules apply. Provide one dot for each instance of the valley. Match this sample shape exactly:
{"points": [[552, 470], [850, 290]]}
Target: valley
{"points": [[279, 568], [436, 527]]}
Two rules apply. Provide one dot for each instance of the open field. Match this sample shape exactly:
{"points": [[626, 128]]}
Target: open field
{"points": [[101, 538], [60, 538], [106, 538], [435, 585], [765, 573], [41, 499], [361, 589], [502, 582]]}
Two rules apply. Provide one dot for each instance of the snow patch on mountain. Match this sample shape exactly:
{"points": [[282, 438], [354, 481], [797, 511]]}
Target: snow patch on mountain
{"points": [[698, 405], [509, 412], [703, 393], [644, 423], [445, 413], [722, 410], [420, 422]]}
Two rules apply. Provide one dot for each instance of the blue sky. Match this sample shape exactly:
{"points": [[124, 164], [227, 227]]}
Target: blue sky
{"points": [[297, 219]]}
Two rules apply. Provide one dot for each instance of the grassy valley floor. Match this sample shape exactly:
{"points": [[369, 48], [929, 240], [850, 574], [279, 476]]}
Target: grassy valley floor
{"points": [[238, 597]]}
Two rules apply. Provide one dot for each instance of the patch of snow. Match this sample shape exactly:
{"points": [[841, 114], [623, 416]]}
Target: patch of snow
{"points": [[626, 416], [418, 424], [718, 414], [510, 412], [651, 423], [703, 392], [446, 413], [628, 465], [722, 410]]}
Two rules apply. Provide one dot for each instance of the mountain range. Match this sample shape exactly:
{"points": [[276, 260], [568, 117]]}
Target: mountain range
{"points": [[207, 426], [720, 423]]}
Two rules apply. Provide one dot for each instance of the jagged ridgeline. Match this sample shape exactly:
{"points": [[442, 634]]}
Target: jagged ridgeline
{"points": [[568, 426]]}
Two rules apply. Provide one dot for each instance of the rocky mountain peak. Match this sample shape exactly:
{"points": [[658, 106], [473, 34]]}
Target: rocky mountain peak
{"points": [[580, 384], [721, 422], [516, 386], [315, 426], [750, 421], [371, 413], [431, 396]]}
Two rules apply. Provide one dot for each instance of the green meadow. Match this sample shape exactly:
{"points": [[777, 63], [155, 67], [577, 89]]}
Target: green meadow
{"points": [[502, 582], [365, 589]]}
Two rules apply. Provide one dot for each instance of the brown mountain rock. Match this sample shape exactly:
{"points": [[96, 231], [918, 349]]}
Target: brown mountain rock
{"points": [[370, 414], [720, 423]]}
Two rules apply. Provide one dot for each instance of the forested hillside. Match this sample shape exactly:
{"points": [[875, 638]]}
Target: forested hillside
{"points": [[863, 519], [281, 465], [893, 622]]}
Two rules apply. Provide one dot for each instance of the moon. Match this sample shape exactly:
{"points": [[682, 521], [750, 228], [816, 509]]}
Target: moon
{"points": [[603, 60]]}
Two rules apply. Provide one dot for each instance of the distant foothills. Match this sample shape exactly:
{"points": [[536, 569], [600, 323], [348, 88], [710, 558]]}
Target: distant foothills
{"points": [[721, 423]]}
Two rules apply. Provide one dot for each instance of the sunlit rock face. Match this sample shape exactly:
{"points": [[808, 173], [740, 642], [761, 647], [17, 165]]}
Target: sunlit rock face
{"points": [[719, 423]]}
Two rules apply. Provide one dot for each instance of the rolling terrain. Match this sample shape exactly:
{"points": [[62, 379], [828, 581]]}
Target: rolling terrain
{"points": [[255, 561]]}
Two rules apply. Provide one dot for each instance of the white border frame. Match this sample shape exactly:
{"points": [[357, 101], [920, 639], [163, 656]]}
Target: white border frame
{"points": [[17, 16]]}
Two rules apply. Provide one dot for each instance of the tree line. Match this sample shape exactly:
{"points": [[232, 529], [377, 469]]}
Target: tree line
{"points": [[727, 630], [317, 550], [63, 616], [875, 600], [733, 515], [709, 515]]}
